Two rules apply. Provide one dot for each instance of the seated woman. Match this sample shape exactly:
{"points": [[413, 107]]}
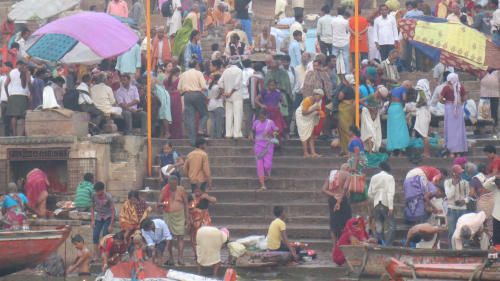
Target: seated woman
{"points": [[307, 117], [354, 233], [269, 99], [36, 191], [198, 210], [266, 42], [132, 213], [13, 209], [170, 162], [112, 247]]}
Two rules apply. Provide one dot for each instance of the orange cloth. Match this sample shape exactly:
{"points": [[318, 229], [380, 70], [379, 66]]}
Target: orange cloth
{"points": [[363, 42], [166, 54]]}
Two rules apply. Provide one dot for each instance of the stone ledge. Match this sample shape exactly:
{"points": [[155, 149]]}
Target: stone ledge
{"points": [[36, 140]]}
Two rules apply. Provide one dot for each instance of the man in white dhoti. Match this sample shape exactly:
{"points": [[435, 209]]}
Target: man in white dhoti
{"points": [[371, 130], [423, 118]]}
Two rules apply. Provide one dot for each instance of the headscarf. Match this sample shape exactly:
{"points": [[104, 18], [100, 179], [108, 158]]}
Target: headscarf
{"points": [[350, 79], [423, 85], [382, 90], [182, 37], [460, 160], [455, 84], [318, 92]]}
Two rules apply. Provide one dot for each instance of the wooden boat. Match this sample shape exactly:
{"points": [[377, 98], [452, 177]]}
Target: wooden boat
{"points": [[400, 271], [369, 260], [24, 249]]}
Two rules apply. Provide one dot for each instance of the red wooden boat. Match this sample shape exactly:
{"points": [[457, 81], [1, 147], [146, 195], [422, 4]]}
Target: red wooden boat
{"points": [[400, 271], [24, 249]]}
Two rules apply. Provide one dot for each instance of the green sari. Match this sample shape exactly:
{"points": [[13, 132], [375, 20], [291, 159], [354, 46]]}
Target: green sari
{"points": [[182, 37]]}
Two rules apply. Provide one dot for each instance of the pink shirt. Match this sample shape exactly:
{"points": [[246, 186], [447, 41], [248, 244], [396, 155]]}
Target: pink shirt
{"points": [[119, 8]]}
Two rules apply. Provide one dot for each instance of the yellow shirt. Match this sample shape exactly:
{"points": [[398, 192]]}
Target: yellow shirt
{"points": [[274, 234], [192, 81]]}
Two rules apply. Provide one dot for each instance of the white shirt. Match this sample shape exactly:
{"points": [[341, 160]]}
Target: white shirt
{"points": [[474, 221], [381, 189], [495, 20], [49, 98], [456, 192], [3, 94], [82, 97], [15, 86], [386, 31], [160, 233], [247, 73], [214, 102], [325, 29], [340, 31], [232, 78]]}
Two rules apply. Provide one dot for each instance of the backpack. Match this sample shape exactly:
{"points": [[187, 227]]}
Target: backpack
{"points": [[167, 9]]}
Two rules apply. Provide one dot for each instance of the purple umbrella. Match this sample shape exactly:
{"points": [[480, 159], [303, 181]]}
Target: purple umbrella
{"points": [[82, 38]]}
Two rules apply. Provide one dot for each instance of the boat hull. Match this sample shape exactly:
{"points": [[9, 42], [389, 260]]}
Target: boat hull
{"points": [[24, 249], [400, 271], [371, 260]]}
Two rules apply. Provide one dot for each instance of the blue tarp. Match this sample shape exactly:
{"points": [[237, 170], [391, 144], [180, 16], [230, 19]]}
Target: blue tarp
{"points": [[52, 47]]}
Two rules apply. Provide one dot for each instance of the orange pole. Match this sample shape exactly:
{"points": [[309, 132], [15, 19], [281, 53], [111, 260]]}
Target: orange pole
{"points": [[148, 62], [356, 56]]}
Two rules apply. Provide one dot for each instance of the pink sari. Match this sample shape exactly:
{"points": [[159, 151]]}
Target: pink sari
{"points": [[35, 185]]}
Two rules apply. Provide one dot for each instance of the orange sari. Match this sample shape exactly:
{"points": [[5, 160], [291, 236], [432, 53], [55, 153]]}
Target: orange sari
{"points": [[199, 217]]}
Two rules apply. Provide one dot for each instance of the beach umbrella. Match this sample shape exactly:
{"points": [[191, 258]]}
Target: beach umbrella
{"points": [[451, 43], [86, 38], [40, 9]]}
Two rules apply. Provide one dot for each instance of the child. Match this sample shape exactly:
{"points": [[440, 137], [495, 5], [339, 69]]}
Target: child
{"points": [[102, 203], [82, 261], [215, 109]]}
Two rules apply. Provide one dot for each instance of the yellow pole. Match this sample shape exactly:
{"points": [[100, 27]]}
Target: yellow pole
{"points": [[148, 62], [356, 56]]}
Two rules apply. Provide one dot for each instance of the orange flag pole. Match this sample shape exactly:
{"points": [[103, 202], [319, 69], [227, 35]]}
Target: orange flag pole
{"points": [[356, 56], [148, 62]]}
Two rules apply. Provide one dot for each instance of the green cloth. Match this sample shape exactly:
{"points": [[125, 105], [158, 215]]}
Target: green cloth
{"points": [[164, 112], [84, 194], [182, 37], [375, 158], [283, 84]]}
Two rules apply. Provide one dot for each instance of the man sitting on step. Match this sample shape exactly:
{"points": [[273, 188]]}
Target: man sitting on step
{"points": [[277, 240]]}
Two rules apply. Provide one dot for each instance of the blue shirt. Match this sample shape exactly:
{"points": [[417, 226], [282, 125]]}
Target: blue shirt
{"points": [[365, 90], [295, 53], [9, 201], [413, 13], [191, 50], [130, 61], [355, 142], [398, 92]]}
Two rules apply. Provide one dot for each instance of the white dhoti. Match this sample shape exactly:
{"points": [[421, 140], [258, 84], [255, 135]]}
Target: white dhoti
{"points": [[422, 121], [371, 129], [428, 244], [306, 123]]}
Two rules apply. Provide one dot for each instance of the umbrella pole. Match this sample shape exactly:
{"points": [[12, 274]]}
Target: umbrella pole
{"points": [[356, 56], [148, 63]]}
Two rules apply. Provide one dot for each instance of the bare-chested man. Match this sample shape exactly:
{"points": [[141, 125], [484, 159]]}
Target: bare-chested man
{"points": [[424, 235], [337, 189], [175, 204], [82, 261]]}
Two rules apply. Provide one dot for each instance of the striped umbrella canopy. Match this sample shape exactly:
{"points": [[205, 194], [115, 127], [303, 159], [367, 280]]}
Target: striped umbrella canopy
{"points": [[86, 38]]}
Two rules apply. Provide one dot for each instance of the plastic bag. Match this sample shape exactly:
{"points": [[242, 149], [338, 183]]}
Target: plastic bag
{"points": [[251, 240], [236, 249]]}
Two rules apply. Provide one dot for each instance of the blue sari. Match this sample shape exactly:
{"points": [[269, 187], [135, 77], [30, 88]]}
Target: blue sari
{"points": [[398, 136]]}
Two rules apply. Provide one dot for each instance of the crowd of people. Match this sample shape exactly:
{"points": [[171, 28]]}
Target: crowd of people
{"points": [[464, 201]]}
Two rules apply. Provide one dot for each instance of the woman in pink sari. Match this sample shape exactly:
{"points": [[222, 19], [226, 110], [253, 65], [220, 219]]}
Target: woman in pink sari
{"points": [[175, 103], [269, 99], [263, 132], [36, 191]]}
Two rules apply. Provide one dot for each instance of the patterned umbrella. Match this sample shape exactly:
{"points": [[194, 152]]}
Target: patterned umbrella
{"points": [[40, 9], [451, 43], [82, 38]]}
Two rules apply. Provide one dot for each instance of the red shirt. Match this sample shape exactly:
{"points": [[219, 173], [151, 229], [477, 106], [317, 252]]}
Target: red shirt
{"points": [[494, 164], [363, 42], [430, 172], [449, 95]]}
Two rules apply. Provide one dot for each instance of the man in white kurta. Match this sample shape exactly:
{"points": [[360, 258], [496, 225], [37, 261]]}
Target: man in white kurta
{"points": [[209, 242], [232, 86]]}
